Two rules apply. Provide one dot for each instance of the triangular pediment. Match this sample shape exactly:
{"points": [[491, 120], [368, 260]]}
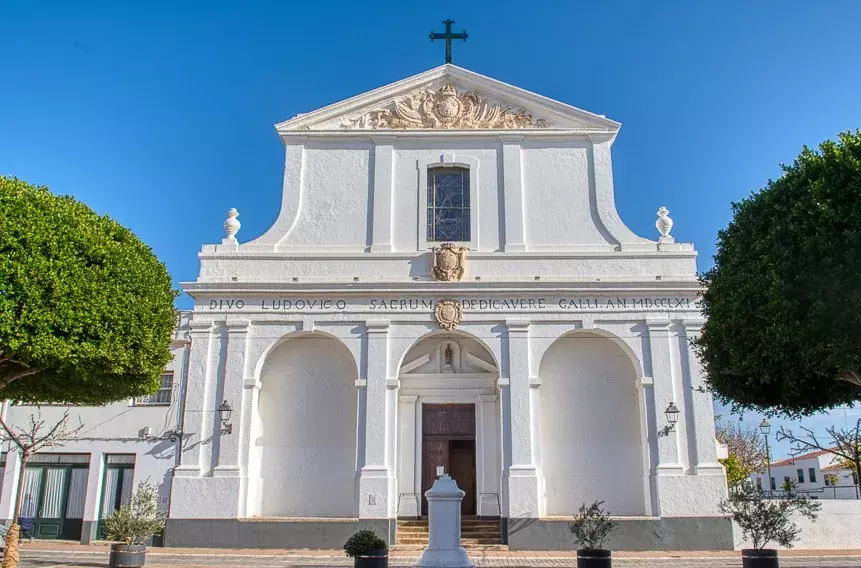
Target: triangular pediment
{"points": [[448, 98]]}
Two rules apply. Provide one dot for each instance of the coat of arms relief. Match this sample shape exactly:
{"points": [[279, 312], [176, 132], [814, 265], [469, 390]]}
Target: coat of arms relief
{"points": [[448, 313], [449, 262], [445, 108]]}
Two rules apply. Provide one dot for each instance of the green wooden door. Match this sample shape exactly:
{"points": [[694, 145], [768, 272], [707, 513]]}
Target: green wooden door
{"points": [[116, 486], [54, 497]]}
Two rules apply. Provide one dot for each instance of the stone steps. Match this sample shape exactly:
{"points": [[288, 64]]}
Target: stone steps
{"points": [[475, 533], [471, 547], [466, 542]]}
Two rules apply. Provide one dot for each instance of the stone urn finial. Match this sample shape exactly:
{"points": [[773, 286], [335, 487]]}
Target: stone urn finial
{"points": [[664, 224], [232, 224]]}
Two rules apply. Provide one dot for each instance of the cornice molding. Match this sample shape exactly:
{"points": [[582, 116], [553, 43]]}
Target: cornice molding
{"points": [[554, 111]]}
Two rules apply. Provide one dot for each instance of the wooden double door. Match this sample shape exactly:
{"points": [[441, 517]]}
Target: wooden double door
{"points": [[448, 440]]}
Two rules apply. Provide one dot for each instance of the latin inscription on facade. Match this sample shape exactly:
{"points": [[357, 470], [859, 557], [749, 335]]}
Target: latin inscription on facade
{"points": [[524, 304]]}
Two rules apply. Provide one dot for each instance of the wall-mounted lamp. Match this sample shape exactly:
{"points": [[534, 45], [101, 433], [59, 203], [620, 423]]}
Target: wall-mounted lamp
{"points": [[672, 414], [224, 411]]}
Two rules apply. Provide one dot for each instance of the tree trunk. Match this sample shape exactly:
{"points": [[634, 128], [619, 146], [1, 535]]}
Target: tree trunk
{"points": [[858, 476], [19, 493], [10, 559]]}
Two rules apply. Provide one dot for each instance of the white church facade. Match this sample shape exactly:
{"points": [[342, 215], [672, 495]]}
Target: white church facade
{"points": [[448, 284]]}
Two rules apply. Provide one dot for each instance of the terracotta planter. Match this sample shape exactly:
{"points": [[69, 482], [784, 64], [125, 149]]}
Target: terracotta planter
{"points": [[127, 555], [374, 559], [598, 558], [759, 558]]}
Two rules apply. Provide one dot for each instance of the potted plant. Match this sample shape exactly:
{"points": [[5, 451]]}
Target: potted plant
{"points": [[763, 520], [590, 529], [132, 525], [367, 550]]}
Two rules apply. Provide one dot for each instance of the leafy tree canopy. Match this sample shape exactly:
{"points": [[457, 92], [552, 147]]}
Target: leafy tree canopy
{"points": [[736, 472], [783, 299], [86, 309]]}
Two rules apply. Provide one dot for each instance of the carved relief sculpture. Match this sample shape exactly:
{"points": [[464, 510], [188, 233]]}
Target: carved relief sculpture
{"points": [[448, 313], [445, 109], [449, 262]]}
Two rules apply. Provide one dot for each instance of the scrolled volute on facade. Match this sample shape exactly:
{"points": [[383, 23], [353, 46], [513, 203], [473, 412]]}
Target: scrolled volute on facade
{"points": [[444, 108]]}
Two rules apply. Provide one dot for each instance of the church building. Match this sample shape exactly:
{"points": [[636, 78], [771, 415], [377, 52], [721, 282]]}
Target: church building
{"points": [[448, 284]]}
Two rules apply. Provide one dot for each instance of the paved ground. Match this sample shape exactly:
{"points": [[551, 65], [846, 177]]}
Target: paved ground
{"points": [[68, 556]]}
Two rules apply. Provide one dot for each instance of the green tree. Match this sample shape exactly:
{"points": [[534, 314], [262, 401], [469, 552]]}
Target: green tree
{"points": [[746, 449], [783, 299], [736, 472], [86, 309]]}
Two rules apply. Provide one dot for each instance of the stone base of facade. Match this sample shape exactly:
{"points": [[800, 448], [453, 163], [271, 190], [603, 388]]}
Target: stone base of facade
{"points": [[271, 533], [666, 533]]}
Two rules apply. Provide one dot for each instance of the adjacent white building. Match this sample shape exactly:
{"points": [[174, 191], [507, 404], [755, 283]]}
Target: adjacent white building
{"points": [[74, 486], [448, 283], [817, 474]]}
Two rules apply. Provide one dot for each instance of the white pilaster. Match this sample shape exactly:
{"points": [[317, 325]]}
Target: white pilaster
{"points": [[10, 482], [512, 187], [250, 401], [200, 334], [375, 478], [392, 386], [705, 459], [384, 170], [233, 392], [409, 498], [665, 392], [93, 496], [488, 485], [521, 476]]}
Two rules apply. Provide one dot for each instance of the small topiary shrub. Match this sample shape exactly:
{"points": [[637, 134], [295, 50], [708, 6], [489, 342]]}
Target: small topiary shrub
{"points": [[591, 526], [763, 519], [362, 543], [138, 520]]}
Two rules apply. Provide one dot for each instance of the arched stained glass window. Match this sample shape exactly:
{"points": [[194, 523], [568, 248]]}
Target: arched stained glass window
{"points": [[448, 204]]}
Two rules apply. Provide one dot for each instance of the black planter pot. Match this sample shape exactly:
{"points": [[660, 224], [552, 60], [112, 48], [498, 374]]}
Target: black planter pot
{"points": [[759, 558], [127, 555], [374, 559], [598, 558]]}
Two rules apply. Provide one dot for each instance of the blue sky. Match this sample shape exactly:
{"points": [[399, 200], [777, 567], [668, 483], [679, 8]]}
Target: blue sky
{"points": [[160, 113]]}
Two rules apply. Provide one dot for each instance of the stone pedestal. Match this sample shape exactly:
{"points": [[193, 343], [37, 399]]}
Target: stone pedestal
{"points": [[444, 549]]}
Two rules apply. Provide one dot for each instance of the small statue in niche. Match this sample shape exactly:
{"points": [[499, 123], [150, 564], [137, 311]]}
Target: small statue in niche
{"points": [[448, 357]]}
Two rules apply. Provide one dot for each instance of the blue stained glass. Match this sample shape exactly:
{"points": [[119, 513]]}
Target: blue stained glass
{"points": [[448, 205]]}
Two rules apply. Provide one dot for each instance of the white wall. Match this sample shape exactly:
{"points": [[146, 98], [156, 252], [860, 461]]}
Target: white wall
{"points": [[556, 195], [836, 527], [558, 204], [591, 438], [307, 444], [334, 208]]}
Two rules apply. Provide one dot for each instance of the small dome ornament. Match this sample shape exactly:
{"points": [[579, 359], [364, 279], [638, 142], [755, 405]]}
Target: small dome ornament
{"points": [[232, 224], [664, 224]]}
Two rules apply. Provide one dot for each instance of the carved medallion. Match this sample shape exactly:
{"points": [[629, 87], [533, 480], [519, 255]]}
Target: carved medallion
{"points": [[448, 313], [445, 108], [449, 262]]}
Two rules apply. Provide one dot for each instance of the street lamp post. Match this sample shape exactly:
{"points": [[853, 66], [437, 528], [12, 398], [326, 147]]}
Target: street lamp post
{"points": [[765, 428]]}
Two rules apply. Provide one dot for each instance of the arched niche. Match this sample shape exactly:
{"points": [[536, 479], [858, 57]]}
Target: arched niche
{"points": [[305, 439], [591, 426], [446, 353]]}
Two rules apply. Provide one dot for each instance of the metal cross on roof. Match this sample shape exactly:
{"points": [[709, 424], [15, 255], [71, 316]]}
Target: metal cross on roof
{"points": [[448, 36]]}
